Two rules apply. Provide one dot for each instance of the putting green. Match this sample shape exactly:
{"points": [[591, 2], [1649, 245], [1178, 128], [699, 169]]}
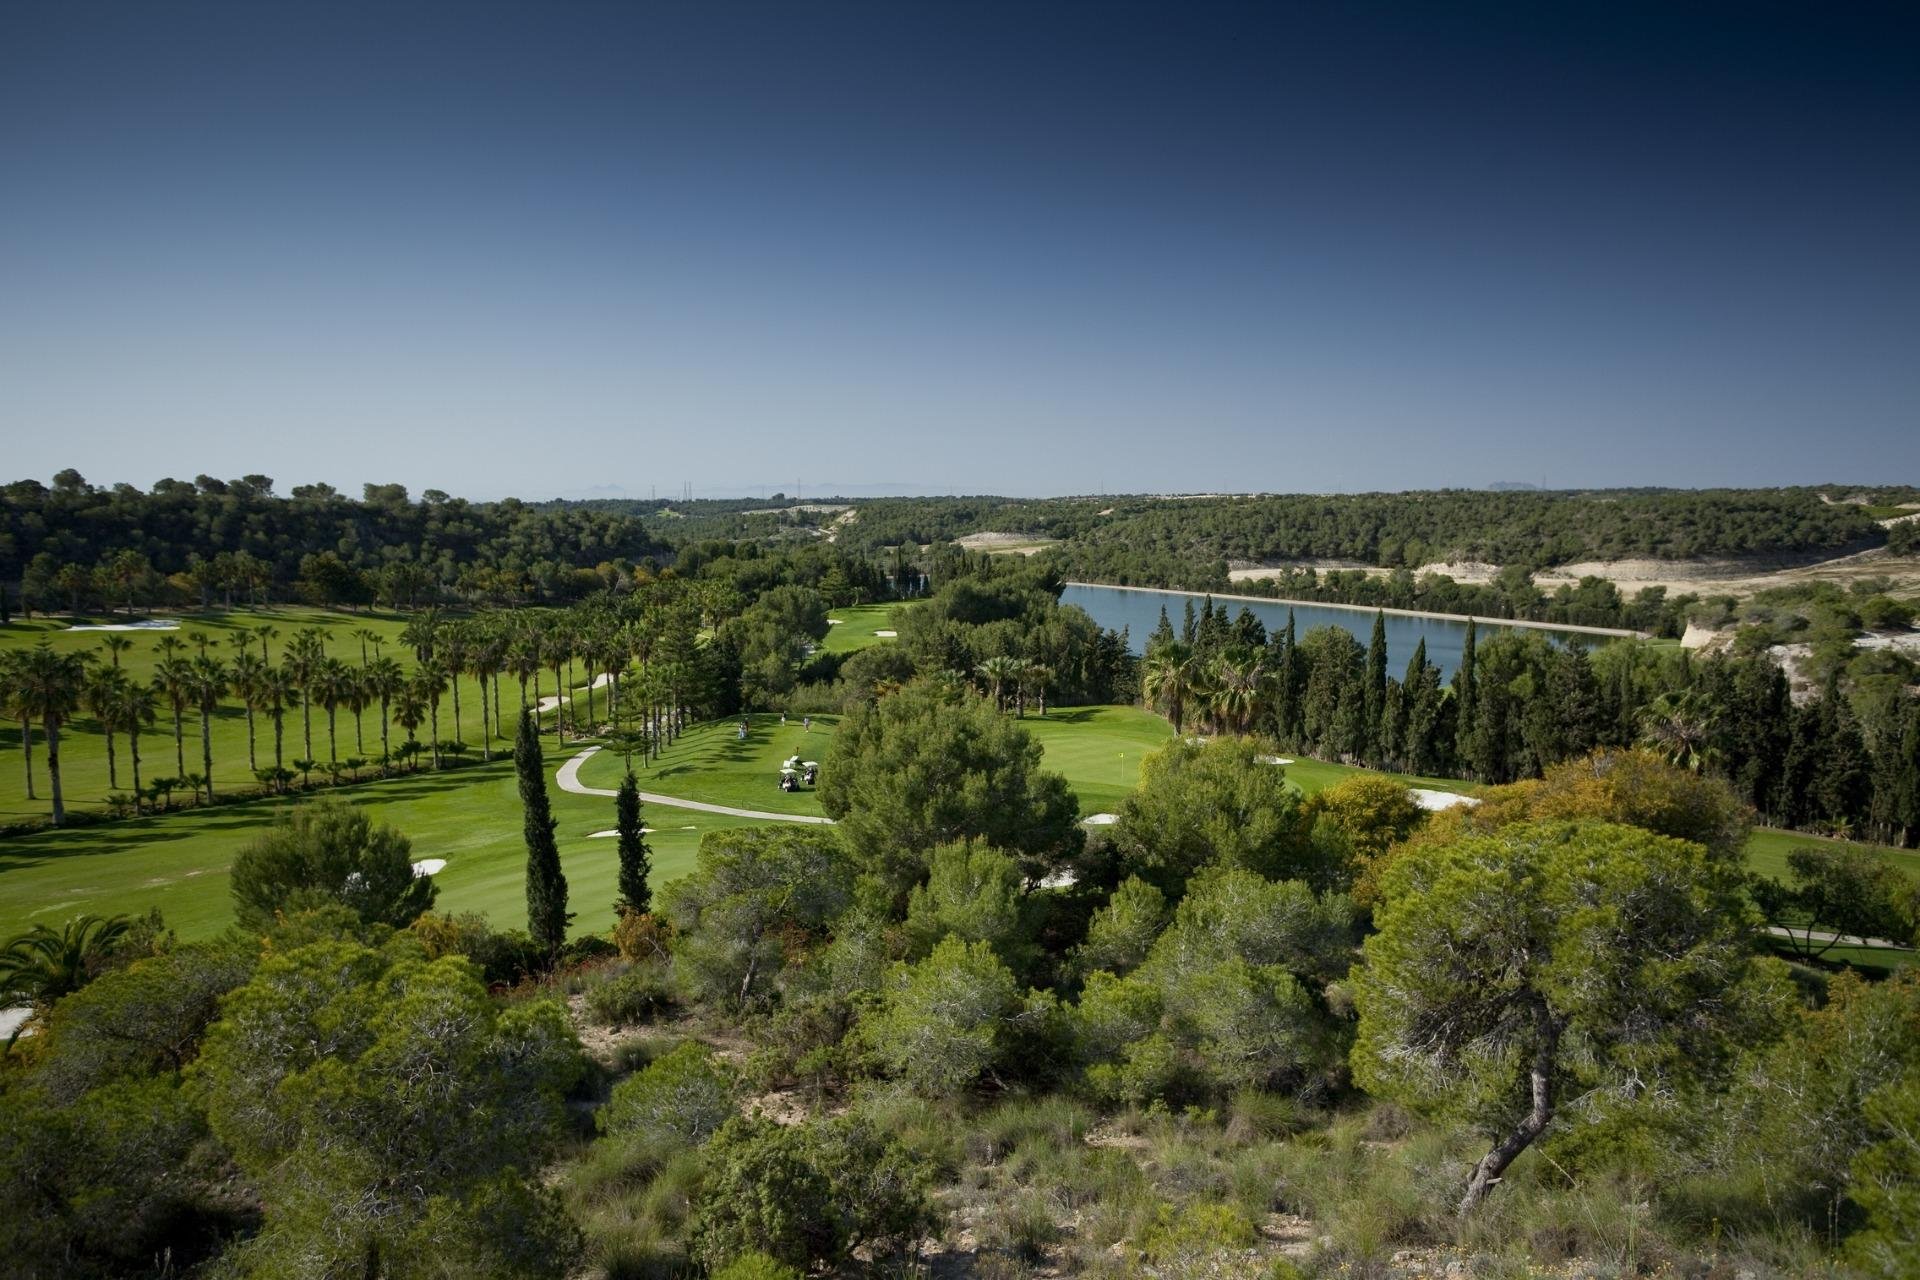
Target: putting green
{"points": [[854, 627]]}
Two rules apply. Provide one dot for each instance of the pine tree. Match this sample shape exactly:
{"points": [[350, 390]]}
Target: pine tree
{"points": [[636, 860], [1841, 776], [547, 914], [1162, 634], [1189, 624], [1466, 695]]}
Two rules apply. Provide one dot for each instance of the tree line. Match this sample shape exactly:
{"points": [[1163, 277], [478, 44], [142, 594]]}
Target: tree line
{"points": [[71, 545], [1846, 762]]}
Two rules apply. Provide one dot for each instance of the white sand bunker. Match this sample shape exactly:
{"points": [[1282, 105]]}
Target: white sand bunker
{"points": [[1273, 760], [1100, 820], [887, 634], [151, 624], [430, 867], [1435, 801], [833, 622], [603, 835]]}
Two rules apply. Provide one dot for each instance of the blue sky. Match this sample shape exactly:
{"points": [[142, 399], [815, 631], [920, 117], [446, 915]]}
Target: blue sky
{"points": [[542, 248]]}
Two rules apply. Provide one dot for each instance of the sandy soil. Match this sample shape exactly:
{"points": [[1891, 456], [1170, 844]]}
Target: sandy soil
{"points": [[1024, 544], [1705, 577]]}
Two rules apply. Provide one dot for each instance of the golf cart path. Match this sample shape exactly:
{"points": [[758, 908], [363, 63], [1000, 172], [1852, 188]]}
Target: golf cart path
{"points": [[568, 777]]}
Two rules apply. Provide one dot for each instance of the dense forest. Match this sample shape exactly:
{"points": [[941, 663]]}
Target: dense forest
{"points": [[74, 545]]}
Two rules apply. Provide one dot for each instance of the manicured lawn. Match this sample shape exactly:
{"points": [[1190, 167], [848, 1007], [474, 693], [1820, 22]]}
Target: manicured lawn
{"points": [[1099, 749], [1767, 850], [855, 626], [710, 763], [83, 750], [469, 816]]}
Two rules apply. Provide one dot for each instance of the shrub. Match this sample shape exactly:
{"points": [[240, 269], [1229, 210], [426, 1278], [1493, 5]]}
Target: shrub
{"points": [[631, 995], [641, 935], [681, 1098], [756, 1266], [807, 1194], [503, 956]]}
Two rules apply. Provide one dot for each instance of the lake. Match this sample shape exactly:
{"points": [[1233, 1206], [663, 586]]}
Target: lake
{"points": [[1138, 610]]}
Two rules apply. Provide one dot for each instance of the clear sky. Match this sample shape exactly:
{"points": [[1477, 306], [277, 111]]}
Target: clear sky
{"points": [[1069, 247]]}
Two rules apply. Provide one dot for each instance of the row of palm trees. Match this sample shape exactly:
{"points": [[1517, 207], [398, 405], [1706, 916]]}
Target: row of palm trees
{"points": [[45, 689], [1010, 680]]}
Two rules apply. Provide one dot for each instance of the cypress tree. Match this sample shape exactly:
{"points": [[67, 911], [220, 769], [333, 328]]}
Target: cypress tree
{"points": [[1188, 625], [1375, 690], [1467, 717], [1162, 635], [636, 860], [547, 914]]}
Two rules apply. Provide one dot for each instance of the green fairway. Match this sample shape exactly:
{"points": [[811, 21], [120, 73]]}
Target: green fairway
{"points": [[854, 627], [83, 749], [1768, 847], [469, 816], [711, 764]]}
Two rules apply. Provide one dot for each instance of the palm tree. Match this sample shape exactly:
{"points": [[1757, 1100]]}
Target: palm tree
{"points": [[306, 654], [430, 679], [265, 634], [559, 651], [115, 646], [272, 692], [1034, 678], [384, 679], [173, 679], [10, 701], [44, 964], [1239, 688], [50, 686], [1683, 727], [248, 672], [132, 710], [483, 663], [333, 684], [523, 660], [999, 671], [367, 636], [409, 712], [1166, 678], [456, 642], [208, 684], [104, 688]]}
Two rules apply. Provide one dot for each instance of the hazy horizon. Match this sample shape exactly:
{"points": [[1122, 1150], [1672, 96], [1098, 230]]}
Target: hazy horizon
{"points": [[501, 248]]}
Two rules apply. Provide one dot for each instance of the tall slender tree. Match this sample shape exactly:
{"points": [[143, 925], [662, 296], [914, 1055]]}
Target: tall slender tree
{"points": [[636, 860], [207, 682], [547, 914], [105, 686], [1466, 694], [49, 686], [1375, 690]]}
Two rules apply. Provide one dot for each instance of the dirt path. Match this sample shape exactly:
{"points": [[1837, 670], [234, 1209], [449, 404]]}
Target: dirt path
{"points": [[568, 776]]}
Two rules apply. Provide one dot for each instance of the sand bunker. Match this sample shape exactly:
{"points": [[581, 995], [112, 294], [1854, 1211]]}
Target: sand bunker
{"points": [[1435, 801], [151, 624], [430, 867]]}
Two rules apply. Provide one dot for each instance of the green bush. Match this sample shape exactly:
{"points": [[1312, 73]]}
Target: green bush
{"points": [[682, 1098], [807, 1194], [630, 995], [756, 1266]]}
